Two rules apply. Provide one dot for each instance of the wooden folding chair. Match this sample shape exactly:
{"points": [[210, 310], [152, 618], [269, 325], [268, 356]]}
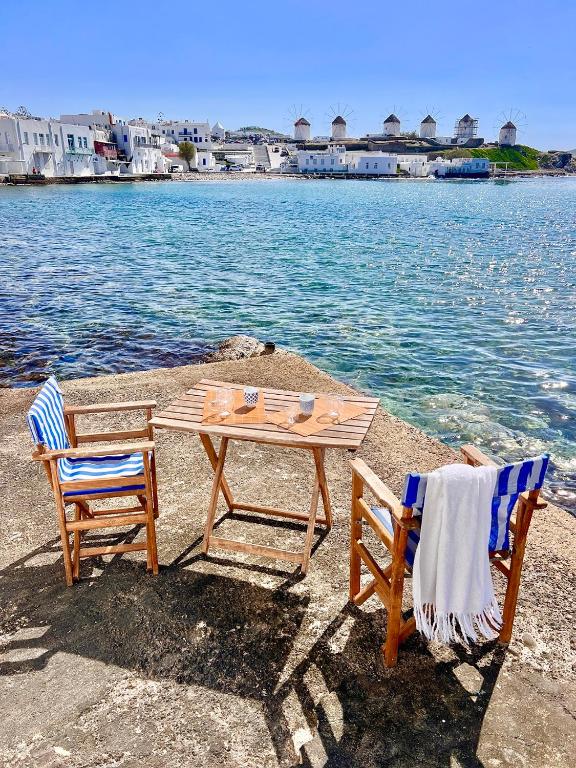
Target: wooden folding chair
{"points": [[396, 522], [81, 476]]}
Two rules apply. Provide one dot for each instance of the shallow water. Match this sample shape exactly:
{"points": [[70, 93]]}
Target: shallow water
{"points": [[453, 301]]}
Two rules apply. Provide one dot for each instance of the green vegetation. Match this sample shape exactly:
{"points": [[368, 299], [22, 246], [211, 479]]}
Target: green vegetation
{"points": [[187, 151], [519, 158], [257, 129]]}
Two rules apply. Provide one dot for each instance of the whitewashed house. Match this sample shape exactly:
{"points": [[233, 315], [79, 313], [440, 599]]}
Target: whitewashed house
{"points": [[415, 165], [460, 167], [331, 160], [372, 163], [139, 146], [49, 147], [78, 144]]}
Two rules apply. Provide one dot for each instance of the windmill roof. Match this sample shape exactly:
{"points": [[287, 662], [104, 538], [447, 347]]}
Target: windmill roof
{"points": [[509, 124], [302, 121], [429, 119], [466, 118], [338, 120], [392, 119]]}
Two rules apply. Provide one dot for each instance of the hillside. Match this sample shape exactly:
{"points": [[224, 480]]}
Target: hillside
{"points": [[251, 129], [519, 158]]}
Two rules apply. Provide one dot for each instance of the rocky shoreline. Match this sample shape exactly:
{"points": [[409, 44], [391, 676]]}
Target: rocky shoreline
{"points": [[237, 661]]}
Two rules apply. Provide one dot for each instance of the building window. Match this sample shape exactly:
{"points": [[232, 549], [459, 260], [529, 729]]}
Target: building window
{"points": [[56, 139], [376, 166], [125, 138], [195, 130], [79, 141], [200, 139], [36, 138], [70, 138], [332, 161], [367, 165], [25, 137], [85, 142], [203, 161]]}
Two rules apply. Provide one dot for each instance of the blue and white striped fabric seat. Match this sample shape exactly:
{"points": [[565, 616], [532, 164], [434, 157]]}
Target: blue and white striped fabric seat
{"points": [[48, 428], [512, 480]]}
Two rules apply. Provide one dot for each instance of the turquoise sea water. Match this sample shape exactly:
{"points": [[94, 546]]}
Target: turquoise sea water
{"points": [[453, 301]]}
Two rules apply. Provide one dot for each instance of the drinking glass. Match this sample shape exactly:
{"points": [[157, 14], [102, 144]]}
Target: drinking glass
{"points": [[335, 403], [222, 402]]}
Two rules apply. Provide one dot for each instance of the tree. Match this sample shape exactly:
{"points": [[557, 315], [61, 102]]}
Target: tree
{"points": [[187, 151]]}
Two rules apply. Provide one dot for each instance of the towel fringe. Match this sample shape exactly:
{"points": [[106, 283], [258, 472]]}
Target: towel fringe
{"points": [[443, 627]]}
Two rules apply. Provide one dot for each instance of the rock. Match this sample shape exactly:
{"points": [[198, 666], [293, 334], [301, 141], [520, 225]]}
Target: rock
{"points": [[528, 640], [235, 348]]}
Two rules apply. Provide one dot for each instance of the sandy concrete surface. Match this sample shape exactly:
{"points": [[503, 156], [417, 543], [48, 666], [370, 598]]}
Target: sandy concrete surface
{"points": [[238, 661]]}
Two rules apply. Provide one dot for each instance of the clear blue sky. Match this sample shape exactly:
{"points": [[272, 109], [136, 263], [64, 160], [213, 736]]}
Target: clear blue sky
{"points": [[251, 62]]}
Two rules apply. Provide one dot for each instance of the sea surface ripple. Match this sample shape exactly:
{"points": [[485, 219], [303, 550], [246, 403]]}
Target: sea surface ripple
{"points": [[453, 301]]}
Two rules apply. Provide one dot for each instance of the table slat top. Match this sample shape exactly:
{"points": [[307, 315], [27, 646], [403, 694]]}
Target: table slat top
{"points": [[185, 415]]}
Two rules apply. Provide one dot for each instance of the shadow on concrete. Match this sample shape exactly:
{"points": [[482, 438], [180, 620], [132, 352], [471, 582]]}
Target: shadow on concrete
{"points": [[235, 637]]}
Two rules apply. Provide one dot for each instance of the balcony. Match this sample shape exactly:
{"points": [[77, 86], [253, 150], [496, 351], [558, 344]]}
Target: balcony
{"points": [[79, 151], [44, 149], [147, 145]]}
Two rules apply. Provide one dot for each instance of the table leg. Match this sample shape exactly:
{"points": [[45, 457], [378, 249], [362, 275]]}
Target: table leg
{"points": [[310, 526], [213, 459], [216, 485], [321, 474]]}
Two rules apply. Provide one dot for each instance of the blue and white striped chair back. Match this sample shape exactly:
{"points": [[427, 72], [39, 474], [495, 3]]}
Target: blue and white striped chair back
{"points": [[512, 480], [46, 418]]}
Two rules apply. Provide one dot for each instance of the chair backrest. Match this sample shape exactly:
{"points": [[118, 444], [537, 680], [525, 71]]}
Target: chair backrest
{"points": [[511, 481], [46, 418]]}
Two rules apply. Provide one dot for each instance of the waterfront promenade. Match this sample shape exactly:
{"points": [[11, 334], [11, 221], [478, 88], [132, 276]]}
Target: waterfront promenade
{"points": [[234, 661]]}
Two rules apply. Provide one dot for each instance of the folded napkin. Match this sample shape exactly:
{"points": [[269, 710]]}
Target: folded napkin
{"points": [[451, 581]]}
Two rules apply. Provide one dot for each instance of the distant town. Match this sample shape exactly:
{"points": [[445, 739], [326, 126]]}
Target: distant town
{"points": [[102, 146]]}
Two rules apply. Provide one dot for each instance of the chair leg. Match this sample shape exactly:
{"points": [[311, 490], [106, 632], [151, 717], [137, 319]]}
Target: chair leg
{"points": [[390, 647], [355, 535], [523, 519], [61, 509], [154, 486], [77, 541], [150, 507]]}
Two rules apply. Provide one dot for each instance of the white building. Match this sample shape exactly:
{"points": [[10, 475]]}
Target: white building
{"points": [[139, 146], [428, 128], [507, 135], [302, 130], [33, 145], [372, 163], [218, 132], [415, 165], [459, 166], [392, 126], [331, 160], [338, 128]]}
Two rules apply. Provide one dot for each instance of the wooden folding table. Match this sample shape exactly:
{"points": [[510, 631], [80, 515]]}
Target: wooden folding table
{"points": [[185, 415]]}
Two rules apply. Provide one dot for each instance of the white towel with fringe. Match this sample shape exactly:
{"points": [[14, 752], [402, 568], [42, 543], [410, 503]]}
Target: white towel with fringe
{"points": [[451, 581]]}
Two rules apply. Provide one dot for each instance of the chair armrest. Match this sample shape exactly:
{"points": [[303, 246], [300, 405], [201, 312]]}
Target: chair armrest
{"points": [[87, 453], [476, 457], [382, 493], [135, 405]]}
